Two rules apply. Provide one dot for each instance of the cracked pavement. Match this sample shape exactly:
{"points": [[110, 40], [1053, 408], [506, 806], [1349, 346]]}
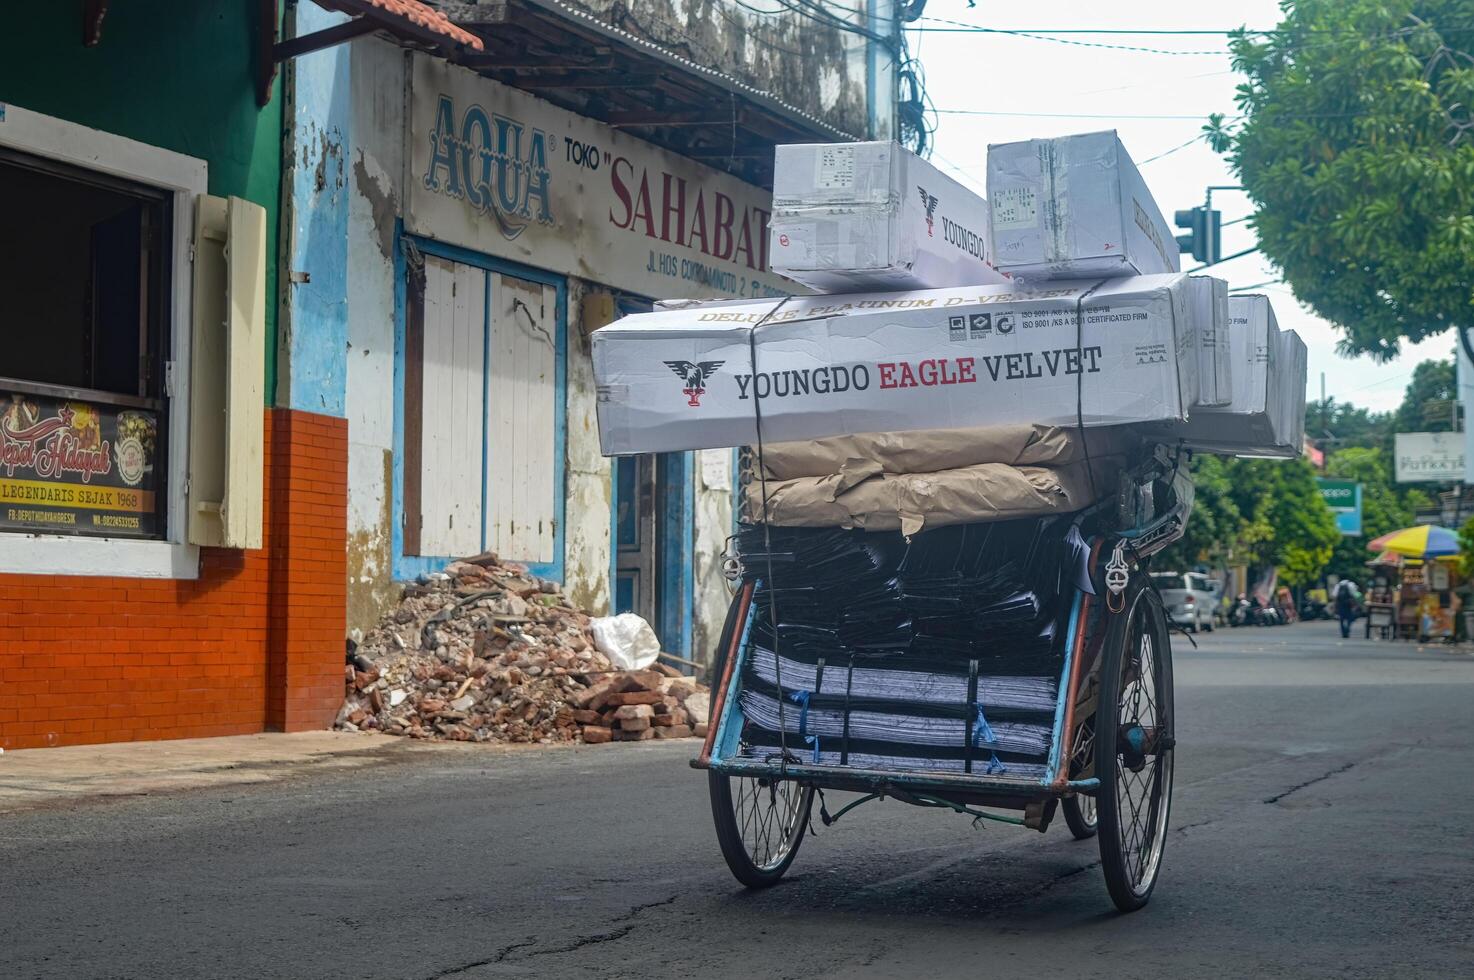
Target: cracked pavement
{"points": [[1318, 831]]}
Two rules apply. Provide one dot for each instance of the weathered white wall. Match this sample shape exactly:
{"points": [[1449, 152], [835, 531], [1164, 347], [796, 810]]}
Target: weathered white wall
{"points": [[376, 165], [816, 67], [376, 161], [713, 526], [586, 514]]}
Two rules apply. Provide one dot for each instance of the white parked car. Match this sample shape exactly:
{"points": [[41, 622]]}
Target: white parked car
{"points": [[1190, 598]]}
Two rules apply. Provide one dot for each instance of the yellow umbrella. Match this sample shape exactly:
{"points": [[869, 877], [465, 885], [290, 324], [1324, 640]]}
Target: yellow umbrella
{"points": [[1423, 541]]}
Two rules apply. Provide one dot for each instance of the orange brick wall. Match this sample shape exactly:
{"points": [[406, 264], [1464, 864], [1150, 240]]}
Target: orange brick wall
{"points": [[254, 644]]}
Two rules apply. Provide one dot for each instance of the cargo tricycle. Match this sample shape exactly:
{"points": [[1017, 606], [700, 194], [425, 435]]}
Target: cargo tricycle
{"points": [[950, 728]]}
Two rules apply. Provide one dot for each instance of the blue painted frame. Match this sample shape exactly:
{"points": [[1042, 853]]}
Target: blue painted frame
{"points": [[675, 569], [677, 559], [411, 566]]}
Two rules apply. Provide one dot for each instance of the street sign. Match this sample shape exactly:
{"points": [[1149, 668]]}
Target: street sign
{"points": [[1430, 457], [1344, 499]]}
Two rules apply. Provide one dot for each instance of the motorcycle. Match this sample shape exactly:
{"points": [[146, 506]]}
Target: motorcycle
{"points": [[1248, 611], [1311, 609]]}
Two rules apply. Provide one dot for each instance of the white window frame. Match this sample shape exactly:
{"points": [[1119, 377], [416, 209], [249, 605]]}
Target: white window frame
{"points": [[187, 178]]}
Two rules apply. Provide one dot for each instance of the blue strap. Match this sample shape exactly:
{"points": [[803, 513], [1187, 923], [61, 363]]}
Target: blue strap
{"points": [[801, 698], [983, 732]]}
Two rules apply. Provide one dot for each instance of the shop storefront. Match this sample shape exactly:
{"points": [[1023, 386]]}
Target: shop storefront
{"points": [[154, 508], [519, 228]]}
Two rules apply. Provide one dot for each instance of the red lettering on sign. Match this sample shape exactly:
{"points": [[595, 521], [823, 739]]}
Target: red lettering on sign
{"points": [[698, 223], [621, 191], [722, 237], [673, 214], [642, 206]]}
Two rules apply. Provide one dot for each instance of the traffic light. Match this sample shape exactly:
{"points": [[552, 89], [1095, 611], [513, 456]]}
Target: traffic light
{"points": [[1202, 238]]}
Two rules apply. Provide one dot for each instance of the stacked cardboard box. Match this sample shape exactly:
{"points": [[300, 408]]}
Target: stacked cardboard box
{"points": [[1211, 322], [1075, 207], [1266, 413], [1135, 344], [849, 217], [1062, 354]]}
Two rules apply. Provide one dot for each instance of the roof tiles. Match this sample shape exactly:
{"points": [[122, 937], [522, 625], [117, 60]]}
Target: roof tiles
{"points": [[425, 16]]}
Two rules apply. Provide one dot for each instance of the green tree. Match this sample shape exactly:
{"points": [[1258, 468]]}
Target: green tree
{"points": [[1331, 424], [1466, 548], [1428, 404], [1382, 509], [1288, 522], [1257, 511], [1356, 146], [1216, 526]]}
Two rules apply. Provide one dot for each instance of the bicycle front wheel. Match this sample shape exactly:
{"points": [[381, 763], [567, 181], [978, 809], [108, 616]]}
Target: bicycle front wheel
{"points": [[1134, 749]]}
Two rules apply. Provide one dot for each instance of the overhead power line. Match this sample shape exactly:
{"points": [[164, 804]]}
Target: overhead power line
{"points": [[1041, 36], [1226, 258], [1257, 285], [1088, 30], [1061, 36], [1074, 115], [1168, 153]]}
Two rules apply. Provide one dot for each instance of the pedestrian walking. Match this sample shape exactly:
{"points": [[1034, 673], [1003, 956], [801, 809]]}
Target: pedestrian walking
{"points": [[1347, 600]]}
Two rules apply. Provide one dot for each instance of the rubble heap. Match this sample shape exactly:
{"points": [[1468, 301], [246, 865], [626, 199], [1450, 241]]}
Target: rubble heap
{"points": [[485, 652]]}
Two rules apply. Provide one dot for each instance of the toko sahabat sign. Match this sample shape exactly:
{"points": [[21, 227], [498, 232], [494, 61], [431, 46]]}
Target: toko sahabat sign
{"points": [[501, 172]]}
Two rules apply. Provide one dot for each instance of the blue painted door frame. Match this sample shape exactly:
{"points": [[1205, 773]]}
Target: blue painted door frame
{"points": [[411, 566], [675, 539]]}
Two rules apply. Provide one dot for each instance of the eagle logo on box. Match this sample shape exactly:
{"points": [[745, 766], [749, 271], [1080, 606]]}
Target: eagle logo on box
{"points": [[695, 377], [929, 202]]}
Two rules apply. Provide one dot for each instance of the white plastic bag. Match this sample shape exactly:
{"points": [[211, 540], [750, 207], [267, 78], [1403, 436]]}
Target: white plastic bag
{"points": [[626, 639]]}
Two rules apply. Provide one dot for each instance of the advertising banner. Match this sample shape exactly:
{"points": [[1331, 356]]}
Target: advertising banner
{"points": [[692, 378], [507, 174], [71, 467], [1430, 457], [1344, 499]]}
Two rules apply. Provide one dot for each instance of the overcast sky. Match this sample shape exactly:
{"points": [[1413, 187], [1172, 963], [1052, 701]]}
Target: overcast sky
{"points": [[1016, 83]]}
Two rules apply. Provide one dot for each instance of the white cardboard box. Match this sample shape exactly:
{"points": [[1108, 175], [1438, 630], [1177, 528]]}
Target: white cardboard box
{"points": [[1074, 207], [852, 217], [1290, 433], [1210, 316], [679, 379], [1266, 372]]}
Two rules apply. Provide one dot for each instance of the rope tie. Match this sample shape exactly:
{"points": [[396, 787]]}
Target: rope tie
{"points": [[801, 698], [983, 733]]}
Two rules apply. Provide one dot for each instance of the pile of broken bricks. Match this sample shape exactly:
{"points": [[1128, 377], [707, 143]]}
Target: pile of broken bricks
{"points": [[632, 706], [486, 652]]}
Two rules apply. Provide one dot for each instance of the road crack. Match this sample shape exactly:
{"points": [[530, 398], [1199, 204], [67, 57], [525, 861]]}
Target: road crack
{"points": [[577, 943], [1194, 826], [582, 941], [637, 909], [1309, 782], [499, 956]]}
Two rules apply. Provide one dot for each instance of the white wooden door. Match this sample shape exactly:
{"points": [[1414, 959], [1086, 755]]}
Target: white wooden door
{"points": [[520, 462], [453, 408]]}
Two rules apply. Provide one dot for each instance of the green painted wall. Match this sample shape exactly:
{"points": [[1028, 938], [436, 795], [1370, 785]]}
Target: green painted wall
{"points": [[173, 74]]}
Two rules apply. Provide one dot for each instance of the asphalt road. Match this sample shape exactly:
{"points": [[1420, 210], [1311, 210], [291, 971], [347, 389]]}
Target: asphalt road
{"points": [[1321, 828]]}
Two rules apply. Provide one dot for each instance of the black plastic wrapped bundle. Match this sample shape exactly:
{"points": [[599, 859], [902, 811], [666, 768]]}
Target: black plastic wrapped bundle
{"points": [[955, 637]]}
